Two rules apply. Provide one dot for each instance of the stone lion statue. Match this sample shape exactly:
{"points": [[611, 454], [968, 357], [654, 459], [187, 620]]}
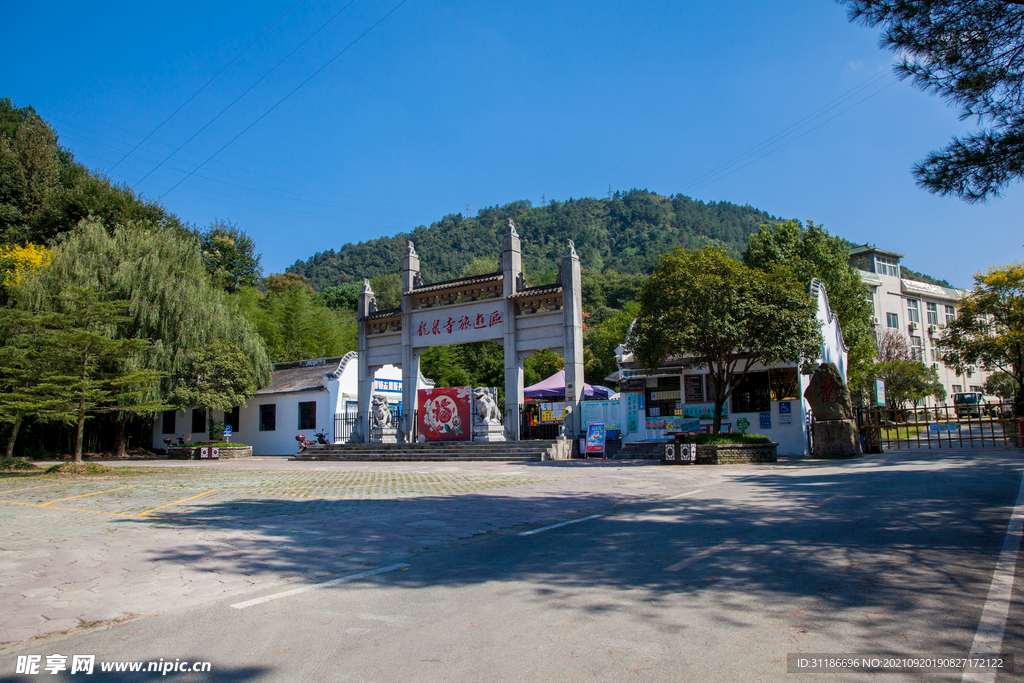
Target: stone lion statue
{"points": [[486, 408], [380, 412]]}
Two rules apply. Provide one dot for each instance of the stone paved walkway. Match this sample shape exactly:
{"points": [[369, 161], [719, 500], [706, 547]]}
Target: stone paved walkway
{"points": [[80, 553]]}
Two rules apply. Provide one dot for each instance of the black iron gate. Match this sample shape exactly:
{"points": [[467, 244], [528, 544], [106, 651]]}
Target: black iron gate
{"points": [[937, 427]]}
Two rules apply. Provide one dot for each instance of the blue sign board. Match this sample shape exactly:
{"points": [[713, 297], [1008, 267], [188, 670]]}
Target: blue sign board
{"points": [[227, 430], [387, 386], [766, 420]]}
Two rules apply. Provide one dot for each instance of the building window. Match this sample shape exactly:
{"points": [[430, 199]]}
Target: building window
{"points": [[752, 394], [977, 389], [916, 348], [307, 415], [933, 314], [892, 320], [957, 389], [935, 354], [198, 420], [887, 266], [913, 311], [784, 384], [268, 417], [950, 313], [169, 424], [231, 419]]}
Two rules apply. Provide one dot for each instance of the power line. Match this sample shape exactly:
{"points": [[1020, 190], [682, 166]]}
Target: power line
{"points": [[264, 76], [196, 94], [817, 113], [246, 169], [775, 149], [279, 102]]}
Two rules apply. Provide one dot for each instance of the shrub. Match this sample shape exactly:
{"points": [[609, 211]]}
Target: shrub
{"points": [[17, 465], [79, 468], [730, 438]]}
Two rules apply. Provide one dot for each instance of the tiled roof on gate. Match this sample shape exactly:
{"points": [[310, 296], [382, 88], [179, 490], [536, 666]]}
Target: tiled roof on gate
{"points": [[540, 290], [388, 313], [461, 282]]}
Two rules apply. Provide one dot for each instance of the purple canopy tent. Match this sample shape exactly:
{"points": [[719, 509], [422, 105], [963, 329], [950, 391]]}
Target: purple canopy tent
{"points": [[554, 387]]}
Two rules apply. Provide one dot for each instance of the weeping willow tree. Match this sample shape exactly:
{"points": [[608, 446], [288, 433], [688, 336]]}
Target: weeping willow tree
{"points": [[171, 302]]}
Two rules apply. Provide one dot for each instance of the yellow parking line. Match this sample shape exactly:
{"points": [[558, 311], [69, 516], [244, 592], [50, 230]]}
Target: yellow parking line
{"points": [[183, 500], [14, 502], [83, 495], [41, 486], [95, 512]]}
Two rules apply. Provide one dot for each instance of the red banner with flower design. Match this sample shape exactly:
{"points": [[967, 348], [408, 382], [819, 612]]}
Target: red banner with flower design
{"points": [[444, 414]]}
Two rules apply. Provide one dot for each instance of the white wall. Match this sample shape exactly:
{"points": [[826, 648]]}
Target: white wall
{"points": [[329, 400]]}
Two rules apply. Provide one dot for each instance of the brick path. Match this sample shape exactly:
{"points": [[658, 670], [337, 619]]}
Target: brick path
{"points": [[80, 553]]}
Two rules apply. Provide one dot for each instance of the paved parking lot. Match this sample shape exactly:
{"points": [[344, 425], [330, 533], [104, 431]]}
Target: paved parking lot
{"points": [[81, 553]]}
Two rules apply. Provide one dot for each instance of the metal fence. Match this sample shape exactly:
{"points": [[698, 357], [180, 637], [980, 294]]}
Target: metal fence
{"points": [[937, 427], [345, 423]]}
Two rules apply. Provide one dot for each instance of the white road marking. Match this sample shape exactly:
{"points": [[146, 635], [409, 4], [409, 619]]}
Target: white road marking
{"points": [[989, 637], [699, 556], [555, 526], [683, 495], [315, 586]]}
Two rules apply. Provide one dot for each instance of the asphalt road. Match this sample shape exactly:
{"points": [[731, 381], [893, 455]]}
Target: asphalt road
{"points": [[883, 554]]}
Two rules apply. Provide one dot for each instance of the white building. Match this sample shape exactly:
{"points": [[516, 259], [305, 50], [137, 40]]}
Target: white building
{"points": [[916, 310], [769, 400], [304, 397]]}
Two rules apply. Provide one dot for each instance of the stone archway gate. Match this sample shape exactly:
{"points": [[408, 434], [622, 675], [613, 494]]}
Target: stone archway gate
{"points": [[497, 307]]}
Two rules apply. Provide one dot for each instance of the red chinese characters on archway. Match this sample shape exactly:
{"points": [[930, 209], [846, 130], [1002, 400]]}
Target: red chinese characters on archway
{"points": [[449, 325], [444, 414]]}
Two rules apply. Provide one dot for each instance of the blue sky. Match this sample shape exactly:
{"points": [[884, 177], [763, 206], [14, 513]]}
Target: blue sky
{"points": [[445, 107]]}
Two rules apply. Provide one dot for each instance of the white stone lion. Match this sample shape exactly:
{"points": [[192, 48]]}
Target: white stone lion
{"points": [[381, 413], [486, 408]]}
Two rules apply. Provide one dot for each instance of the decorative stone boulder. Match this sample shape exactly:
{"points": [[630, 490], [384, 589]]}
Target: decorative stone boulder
{"points": [[828, 395], [834, 432]]}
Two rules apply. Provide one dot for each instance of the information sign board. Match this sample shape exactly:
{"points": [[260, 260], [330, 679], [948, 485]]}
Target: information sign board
{"points": [[595, 439]]}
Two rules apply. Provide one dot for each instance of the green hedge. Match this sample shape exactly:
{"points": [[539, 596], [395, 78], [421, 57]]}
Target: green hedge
{"points": [[730, 438]]}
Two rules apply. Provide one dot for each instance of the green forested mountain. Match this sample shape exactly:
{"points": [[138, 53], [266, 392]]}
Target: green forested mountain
{"points": [[624, 233]]}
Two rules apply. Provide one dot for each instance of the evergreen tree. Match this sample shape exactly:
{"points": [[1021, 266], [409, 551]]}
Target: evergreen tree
{"points": [[970, 53], [725, 316], [86, 369], [230, 256], [814, 253], [172, 302]]}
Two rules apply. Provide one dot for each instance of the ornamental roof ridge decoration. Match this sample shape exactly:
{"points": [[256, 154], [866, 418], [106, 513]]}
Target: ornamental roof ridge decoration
{"points": [[389, 313], [342, 364], [536, 291]]}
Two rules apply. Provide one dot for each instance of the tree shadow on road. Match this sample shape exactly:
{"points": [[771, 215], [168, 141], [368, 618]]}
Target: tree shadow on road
{"points": [[895, 535]]}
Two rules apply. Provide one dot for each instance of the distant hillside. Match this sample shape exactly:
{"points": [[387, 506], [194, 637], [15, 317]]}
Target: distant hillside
{"points": [[624, 233]]}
